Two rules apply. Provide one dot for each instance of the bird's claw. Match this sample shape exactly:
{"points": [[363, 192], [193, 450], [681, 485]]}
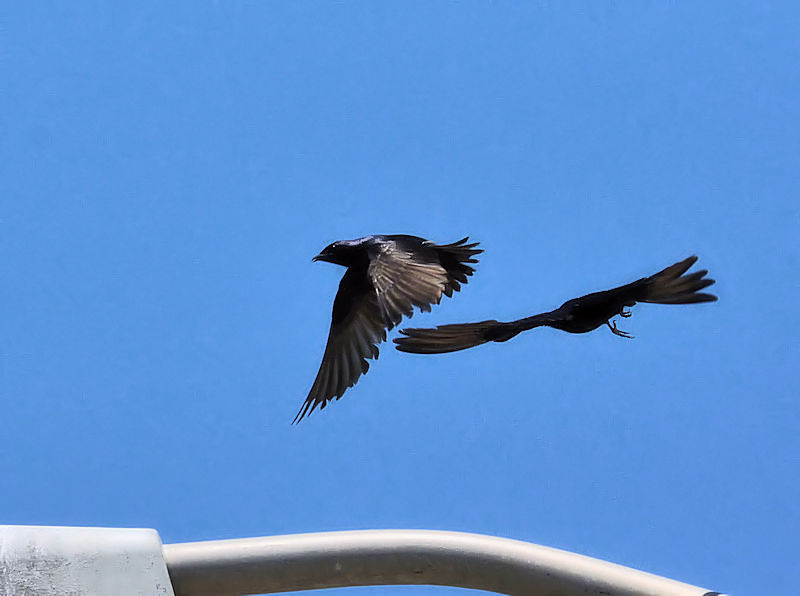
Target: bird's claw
{"points": [[613, 326], [625, 313]]}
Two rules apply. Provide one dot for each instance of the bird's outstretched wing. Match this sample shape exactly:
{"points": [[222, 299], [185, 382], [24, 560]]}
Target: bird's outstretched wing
{"points": [[356, 330], [401, 275]]}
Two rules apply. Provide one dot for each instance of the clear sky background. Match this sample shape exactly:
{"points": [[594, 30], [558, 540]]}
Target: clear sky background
{"points": [[167, 173]]}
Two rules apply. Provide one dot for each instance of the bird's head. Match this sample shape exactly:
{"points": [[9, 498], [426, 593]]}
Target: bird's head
{"points": [[340, 252]]}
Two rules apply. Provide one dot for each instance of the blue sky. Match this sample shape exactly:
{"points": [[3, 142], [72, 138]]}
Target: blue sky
{"points": [[169, 171]]}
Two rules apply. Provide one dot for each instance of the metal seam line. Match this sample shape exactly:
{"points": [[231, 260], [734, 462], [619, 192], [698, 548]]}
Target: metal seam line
{"points": [[401, 557]]}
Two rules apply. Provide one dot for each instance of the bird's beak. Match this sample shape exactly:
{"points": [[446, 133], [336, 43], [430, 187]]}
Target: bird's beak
{"points": [[319, 257]]}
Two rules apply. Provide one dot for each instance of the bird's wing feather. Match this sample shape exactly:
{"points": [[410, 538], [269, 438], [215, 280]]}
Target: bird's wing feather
{"points": [[356, 330], [403, 280]]}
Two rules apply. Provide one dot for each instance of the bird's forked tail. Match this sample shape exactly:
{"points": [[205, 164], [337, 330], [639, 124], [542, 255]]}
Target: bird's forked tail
{"points": [[671, 286]]}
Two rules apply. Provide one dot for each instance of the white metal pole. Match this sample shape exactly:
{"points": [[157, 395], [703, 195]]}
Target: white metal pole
{"points": [[396, 557]]}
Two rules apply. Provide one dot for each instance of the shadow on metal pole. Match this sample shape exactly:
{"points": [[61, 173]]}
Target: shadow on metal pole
{"points": [[401, 557]]}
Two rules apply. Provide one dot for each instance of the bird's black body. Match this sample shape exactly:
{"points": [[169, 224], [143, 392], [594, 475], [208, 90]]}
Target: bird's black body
{"points": [[579, 315], [386, 277]]}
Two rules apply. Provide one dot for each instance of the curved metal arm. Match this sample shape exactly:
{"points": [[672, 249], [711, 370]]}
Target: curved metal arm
{"points": [[394, 557]]}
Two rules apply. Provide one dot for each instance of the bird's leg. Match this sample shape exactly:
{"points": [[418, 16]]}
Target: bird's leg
{"points": [[613, 326], [625, 313]]}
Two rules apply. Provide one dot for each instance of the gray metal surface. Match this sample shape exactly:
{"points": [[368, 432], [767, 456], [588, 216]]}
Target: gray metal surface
{"points": [[393, 557], [55, 561]]}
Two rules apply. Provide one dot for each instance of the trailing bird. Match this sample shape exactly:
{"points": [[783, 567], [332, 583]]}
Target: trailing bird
{"points": [[579, 315], [386, 277]]}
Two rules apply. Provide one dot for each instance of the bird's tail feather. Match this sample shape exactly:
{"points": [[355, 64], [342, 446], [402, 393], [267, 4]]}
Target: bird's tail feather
{"points": [[450, 338], [671, 286], [455, 258]]}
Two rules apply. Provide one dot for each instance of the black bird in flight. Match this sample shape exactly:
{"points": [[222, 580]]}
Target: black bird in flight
{"points": [[386, 277], [579, 315]]}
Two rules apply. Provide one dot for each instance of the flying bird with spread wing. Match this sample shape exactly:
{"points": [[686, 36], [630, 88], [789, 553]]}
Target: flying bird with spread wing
{"points": [[386, 277], [579, 315]]}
